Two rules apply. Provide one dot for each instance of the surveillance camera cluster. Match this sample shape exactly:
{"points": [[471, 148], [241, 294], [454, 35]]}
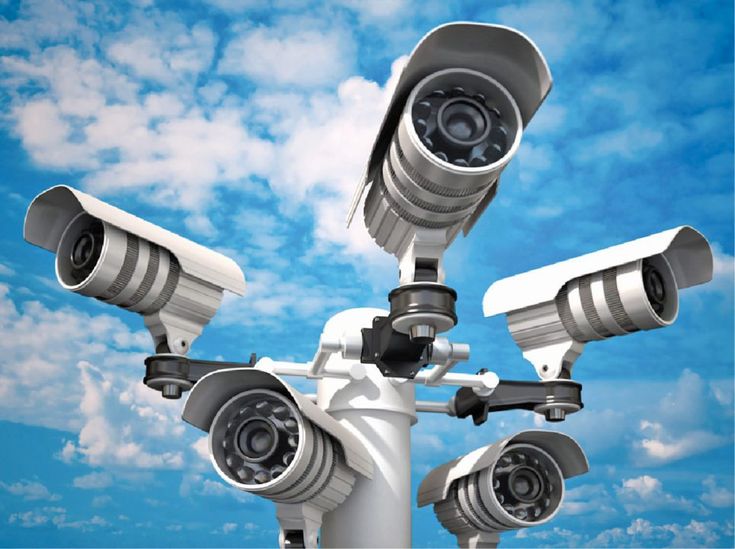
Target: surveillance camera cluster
{"points": [[337, 464]]}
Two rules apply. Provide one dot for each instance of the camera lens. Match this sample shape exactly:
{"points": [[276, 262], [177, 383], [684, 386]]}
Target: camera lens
{"points": [[527, 484], [463, 121], [82, 250], [653, 283], [86, 251], [460, 128], [260, 433], [257, 439]]}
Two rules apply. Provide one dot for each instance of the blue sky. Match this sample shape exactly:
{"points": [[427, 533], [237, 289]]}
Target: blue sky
{"points": [[246, 128]]}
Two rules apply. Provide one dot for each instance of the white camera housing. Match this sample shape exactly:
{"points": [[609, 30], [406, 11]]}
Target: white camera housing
{"points": [[517, 482], [106, 253], [415, 186], [268, 439], [553, 311]]}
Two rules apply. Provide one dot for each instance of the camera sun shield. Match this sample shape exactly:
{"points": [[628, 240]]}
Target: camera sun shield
{"points": [[120, 259]]}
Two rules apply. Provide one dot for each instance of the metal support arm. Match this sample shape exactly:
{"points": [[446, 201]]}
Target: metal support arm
{"points": [[173, 374], [554, 399]]}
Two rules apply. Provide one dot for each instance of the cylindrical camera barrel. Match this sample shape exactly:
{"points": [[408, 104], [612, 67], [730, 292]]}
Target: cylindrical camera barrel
{"points": [[97, 259], [262, 444], [640, 295], [458, 130], [523, 488]]}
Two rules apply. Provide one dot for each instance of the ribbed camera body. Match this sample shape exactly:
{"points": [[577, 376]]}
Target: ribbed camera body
{"points": [[517, 482], [523, 488], [261, 443], [99, 260], [458, 130], [268, 439], [553, 311], [638, 295]]}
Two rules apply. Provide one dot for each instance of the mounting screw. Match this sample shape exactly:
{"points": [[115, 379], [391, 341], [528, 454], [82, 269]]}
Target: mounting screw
{"points": [[555, 414], [171, 390]]}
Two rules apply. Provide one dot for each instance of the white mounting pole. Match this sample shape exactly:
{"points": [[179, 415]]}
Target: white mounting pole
{"points": [[380, 411]]}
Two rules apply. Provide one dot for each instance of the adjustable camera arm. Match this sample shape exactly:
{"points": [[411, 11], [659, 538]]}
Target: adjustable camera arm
{"points": [[172, 374], [554, 399]]}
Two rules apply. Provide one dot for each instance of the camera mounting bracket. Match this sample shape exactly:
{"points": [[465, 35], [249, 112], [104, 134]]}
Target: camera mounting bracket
{"points": [[172, 374], [554, 399]]}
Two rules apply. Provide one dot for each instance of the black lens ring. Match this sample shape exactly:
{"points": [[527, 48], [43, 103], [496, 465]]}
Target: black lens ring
{"points": [[84, 247], [654, 286]]}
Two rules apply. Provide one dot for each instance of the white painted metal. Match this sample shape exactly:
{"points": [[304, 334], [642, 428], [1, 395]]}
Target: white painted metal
{"points": [[212, 391], [499, 52], [686, 250], [436, 407], [51, 212], [352, 370], [563, 448], [473, 472], [553, 311], [453, 354], [174, 283], [380, 412]]}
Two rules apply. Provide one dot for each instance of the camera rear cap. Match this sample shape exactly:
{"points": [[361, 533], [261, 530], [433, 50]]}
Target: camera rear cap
{"points": [[562, 448], [500, 52]]}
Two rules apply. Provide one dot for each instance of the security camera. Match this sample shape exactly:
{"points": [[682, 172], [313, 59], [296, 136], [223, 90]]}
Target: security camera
{"points": [[553, 311], [268, 439], [120, 259], [454, 122], [517, 482]]}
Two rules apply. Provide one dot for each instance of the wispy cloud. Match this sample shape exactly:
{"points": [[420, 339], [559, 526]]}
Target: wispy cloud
{"points": [[30, 490]]}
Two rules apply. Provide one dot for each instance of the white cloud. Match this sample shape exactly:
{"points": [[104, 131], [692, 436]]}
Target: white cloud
{"points": [[164, 50], [101, 501], [88, 115], [589, 501], [93, 481], [270, 300], [646, 493], [120, 421], [675, 431], [41, 21], [29, 519], [5, 270], [661, 446], [542, 20], [289, 54], [642, 532], [229, 527], [553, 537], [197, 485], [107, 439], [201, 448], [85, 525], [723, 276], [30, 490], [377, 11], [37, 341], [715, 495], [322, 148]]}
